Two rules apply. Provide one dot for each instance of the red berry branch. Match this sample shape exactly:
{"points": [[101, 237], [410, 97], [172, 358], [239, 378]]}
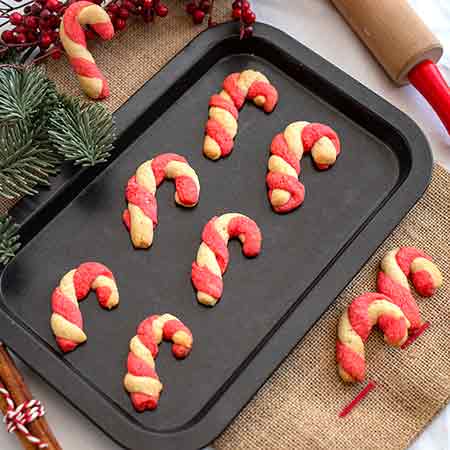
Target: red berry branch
{"points": [[36, 26]]}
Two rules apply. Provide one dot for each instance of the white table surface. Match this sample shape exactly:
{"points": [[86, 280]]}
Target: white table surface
{"points": [[316, 24]]}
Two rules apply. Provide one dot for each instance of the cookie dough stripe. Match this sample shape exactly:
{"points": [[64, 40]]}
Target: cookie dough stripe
{"points": [[73, 39], [66, 320], [221, 127], [141, 381], [354, 329], [141, 216], [212, 256], [143, 385], [395, 268], [285, 191]]}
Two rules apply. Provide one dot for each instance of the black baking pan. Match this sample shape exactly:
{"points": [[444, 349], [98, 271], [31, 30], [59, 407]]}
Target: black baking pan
{"points": [[269, 302]]}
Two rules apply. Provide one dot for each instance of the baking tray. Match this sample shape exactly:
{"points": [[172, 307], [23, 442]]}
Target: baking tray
{"points": [[270, 302]]}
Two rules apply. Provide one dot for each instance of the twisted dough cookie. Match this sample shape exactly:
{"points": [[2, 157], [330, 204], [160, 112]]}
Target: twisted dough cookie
{"points": [[286, 192], [73, 39], [395, 268], [141, 215], [222, 126], [212, 256], [354, 329], [66, 320], [141, 380]]}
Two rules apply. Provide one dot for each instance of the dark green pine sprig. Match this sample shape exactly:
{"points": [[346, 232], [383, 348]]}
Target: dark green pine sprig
{"points": [[9, 239], [27, 159], [82, 132]]}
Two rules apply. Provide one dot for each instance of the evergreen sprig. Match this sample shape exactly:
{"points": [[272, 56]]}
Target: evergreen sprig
{"points": [[82, 132], [25, 95], [9, 239], [27, 98]]}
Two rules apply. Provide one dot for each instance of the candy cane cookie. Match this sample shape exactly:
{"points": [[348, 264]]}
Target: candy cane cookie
{"points": [[396, 267], [141, 216], [354, 329], [224, 107], [285, 190], [66, 320], [141, 380], [73, 39], [212, 256]]}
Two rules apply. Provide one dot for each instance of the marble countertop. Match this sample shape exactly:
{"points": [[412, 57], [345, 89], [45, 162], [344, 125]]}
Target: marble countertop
{"points": [[312, 22]]}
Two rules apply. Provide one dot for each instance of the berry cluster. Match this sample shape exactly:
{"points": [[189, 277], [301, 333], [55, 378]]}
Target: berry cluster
{"points": [[199, 9], [242, 11], [37, 26], [120, 10]]}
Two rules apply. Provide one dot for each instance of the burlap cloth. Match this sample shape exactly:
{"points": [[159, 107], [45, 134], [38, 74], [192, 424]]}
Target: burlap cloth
{"points": [[298, 406]]}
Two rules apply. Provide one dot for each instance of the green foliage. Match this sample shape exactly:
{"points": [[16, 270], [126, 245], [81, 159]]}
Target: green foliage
{"points": [[9, 239], [82, 132], [27, 159]]}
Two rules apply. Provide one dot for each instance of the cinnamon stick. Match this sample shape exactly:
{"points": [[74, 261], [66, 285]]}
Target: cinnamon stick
{"points": [[11, 378]]}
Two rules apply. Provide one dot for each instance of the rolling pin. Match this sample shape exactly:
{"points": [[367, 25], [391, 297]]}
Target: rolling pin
{"points": [[403, 45]]}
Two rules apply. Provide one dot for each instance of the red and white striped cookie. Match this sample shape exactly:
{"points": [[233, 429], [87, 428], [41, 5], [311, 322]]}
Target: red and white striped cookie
{"points": [[354, 329], [141, 380], [212, 256], [73, 39], [286, 192], [396, 267], [224, 107], [141, 216], [66, 320]]}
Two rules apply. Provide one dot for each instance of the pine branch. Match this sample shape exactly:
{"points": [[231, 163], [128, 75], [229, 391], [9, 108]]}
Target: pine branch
{"points": [[26, 160], [9, 239], [82, 132], [25, 94]]}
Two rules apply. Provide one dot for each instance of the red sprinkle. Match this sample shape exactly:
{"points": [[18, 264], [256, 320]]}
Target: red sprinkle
{"points": [[414, 335], [348, 408]]}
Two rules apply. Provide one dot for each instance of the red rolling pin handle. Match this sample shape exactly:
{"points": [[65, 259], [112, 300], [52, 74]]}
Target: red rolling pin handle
{"points": [[428, 80]]}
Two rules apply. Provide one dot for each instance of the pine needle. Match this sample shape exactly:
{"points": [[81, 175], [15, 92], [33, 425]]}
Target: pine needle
{"points": [[9, 239], [82, 132]]}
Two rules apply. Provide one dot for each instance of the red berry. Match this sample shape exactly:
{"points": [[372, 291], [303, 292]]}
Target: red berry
{"points": [[237, 4], [32, 36], [205, 5], [245, 5], [56, 53], [123, 13], [54, 20], [248, 31], [248, 17], [191, 8], [20, 29], [52, 5], [113, 8], [45, 41], [8, 36], [147, 4], [31, 22], [20, 38], [120, 24], [198, 16], [161, 10], [45, 14], [15, 18], [236, 14], [127, 4], [36, 9]]}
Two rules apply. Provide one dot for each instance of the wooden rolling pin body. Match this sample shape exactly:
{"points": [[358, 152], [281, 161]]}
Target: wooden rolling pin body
{"points": [[393, 32]]}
